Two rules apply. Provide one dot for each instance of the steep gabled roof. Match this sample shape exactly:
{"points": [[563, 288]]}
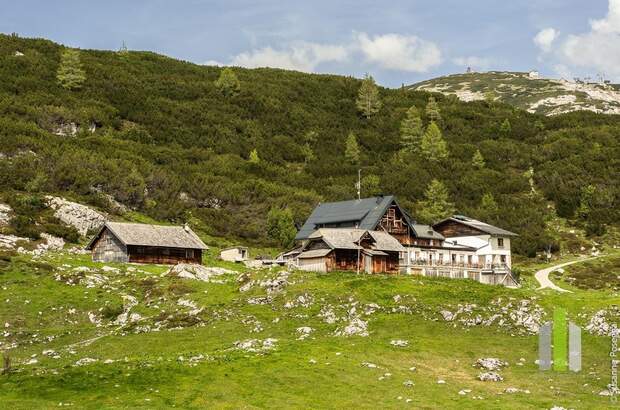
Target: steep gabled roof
{"points": [[479, 225], [364, 213], [386, 242], [343, 238], [339, 238], [426, 232], [151, 235]]}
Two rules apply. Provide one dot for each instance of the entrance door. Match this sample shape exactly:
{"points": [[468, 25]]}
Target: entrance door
{"points": [[368, 264]]}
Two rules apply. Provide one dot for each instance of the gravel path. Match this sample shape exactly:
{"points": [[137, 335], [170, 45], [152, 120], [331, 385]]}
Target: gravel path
{"points": [[542, 276]]}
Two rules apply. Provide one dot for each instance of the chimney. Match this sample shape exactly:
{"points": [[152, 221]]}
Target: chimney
{"points": [[186, 227]]}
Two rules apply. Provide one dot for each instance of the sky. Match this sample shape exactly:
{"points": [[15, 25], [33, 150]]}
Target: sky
{"points": [[396, 41]]}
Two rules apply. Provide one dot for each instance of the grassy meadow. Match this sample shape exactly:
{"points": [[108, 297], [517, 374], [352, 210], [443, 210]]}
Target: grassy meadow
{"points": [[181, 352]]}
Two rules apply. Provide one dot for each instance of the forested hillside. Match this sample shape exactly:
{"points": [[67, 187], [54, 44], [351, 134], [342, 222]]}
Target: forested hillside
{"points": [[167, 139]]}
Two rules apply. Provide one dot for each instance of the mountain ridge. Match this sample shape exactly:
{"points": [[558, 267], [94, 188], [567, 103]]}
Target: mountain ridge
{"points": [[528, 91]]}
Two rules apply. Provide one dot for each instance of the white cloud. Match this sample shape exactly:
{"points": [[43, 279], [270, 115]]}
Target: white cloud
{"points": [[477, 63], [399, 52], [302, 57], [598, 49], [388, 51], [545, 38]]}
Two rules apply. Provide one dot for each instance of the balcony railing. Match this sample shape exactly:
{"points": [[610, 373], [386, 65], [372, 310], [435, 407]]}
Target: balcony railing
{"points": [[495, 267]]}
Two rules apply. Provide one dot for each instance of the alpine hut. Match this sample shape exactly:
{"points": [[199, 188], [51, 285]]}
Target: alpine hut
{"points": [[143, 243]]}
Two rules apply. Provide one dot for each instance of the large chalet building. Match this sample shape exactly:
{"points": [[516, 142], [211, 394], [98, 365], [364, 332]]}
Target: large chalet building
{"points": [[375, 235]]}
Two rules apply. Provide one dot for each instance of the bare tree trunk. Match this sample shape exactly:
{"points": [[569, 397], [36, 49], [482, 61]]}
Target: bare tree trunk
{"points": [[6, 368]]}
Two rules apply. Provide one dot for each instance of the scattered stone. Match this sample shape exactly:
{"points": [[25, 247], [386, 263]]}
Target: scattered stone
{"points": [[304, 332], [490, 377], [84, 361], [399, 343], [464, 392], [408, 383], [490, 363], [199, 272], [369, 365], [356, 327], [256, 345], [513, 390], [10, 241], [599, 323], [447, 315], [440, 381], [277, 284]]}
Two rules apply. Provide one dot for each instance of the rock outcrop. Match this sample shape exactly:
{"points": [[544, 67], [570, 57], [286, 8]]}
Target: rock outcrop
{"points": [[81, 217], [5, 214]]}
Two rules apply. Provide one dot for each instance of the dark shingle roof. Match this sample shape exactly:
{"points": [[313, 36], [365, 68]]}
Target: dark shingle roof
{"points": [[365, 213], [481, 226], [152, 235]]}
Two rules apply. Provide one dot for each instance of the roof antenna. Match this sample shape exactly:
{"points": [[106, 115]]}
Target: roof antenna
{"points": [[358, 185]]}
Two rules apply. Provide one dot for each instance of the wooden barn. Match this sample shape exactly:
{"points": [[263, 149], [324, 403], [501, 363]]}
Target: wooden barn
{"points": [[143, 243], [333, 249]]}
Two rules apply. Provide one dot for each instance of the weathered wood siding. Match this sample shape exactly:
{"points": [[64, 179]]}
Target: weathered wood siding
{"points": [[450, 229], [313, 264], [164, 256], [109, 249]]}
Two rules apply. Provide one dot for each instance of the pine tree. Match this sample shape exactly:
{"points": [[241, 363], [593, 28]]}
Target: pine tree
{"points": [[281, 226], [70, 74], [488, 208], [505, 128], [432, 110], [254, 158], [371, 185], [478, 160], [307, 152], [433, 145], [436, 204], [228, 83], [411, 130], [368, 102], [489, 98], [352, 149]]}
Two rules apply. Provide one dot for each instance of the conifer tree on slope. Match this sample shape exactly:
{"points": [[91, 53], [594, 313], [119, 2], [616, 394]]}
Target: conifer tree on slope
{"points": [[352, 149], [432, 110], [70, 74], [228, 83], [411, 130], [433, 145], [368, 102], [436, 204]]}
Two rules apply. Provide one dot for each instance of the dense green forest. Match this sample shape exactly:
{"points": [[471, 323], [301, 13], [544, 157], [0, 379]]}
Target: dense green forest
{"points": [[178, 141]]}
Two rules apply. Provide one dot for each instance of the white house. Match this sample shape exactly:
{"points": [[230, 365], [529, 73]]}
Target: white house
{"points": [[491, 244], [235, 254]]}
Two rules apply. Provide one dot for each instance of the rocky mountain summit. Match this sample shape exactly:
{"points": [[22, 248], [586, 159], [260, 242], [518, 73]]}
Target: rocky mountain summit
{"points": [[528, 91]]}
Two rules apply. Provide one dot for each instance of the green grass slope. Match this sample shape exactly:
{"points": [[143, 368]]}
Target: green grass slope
{"points": [[167, 143], [59, 316]]}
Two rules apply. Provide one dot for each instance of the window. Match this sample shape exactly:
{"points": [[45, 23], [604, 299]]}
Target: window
{"points": [[441, 258], [453, 258], [189, 253], [469, 259], [502, 258], [500, 242]]}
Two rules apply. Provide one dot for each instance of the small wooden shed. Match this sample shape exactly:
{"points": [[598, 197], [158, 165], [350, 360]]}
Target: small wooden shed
{"points": [[143, 243]]}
